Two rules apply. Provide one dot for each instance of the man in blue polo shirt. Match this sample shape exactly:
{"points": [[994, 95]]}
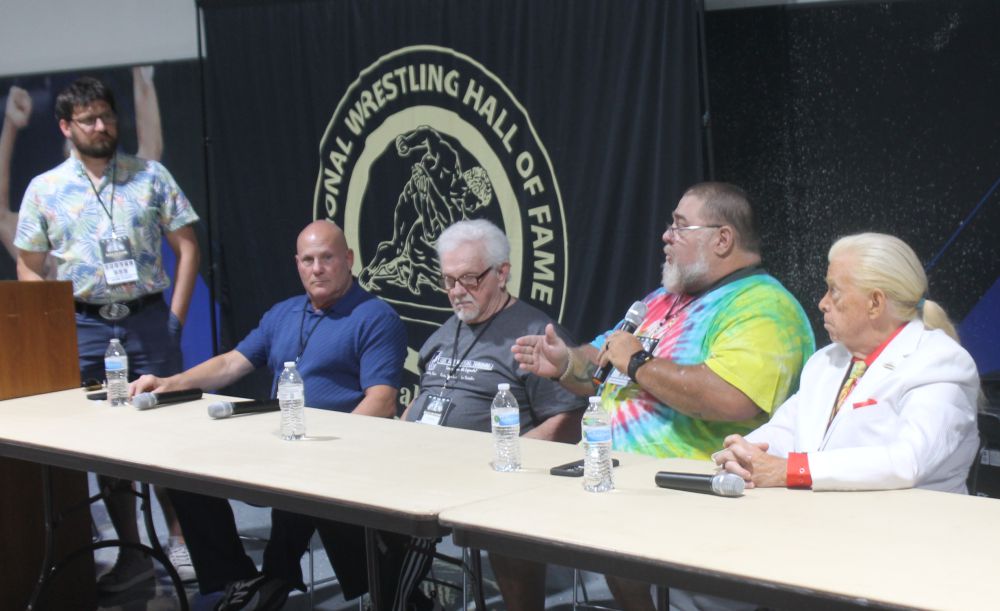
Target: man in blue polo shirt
{"points": [[350, 348]]}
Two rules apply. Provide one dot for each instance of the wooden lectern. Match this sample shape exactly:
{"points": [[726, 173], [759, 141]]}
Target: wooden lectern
{"points": [[38, 354]]}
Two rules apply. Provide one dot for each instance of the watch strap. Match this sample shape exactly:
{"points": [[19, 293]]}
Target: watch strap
{"points": [[637, 360]]}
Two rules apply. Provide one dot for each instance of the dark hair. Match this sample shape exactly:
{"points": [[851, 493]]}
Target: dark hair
{"points": [[81, 92], [728, 204]]}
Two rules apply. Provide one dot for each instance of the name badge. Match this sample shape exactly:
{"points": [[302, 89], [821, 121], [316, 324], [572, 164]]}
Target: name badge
{"points": [[119, 266], [436, 410]]}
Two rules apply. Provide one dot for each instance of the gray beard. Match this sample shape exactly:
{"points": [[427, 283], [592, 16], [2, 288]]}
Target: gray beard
{"points": [[466, 314], [678, 280]]}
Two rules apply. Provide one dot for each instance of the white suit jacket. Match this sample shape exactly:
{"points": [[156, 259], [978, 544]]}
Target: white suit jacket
{"points": [[909, 422]]}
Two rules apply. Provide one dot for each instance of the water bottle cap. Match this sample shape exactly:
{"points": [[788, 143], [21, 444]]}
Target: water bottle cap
{"points": [[503, 386], [595, 399], [115, 340], [289, 363]]}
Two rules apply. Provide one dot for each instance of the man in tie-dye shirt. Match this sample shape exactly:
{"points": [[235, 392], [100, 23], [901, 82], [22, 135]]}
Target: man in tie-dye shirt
{"points": [[721, 345]]}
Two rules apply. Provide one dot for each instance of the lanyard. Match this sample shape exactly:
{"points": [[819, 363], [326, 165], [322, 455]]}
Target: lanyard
{"points": [[674, 310], [449, 373], [304, 342], [109, 209]]}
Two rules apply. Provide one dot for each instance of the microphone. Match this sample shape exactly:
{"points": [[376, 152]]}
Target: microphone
{"points": [[721, 484], [225, 409], [633, 318], [147, 400]]}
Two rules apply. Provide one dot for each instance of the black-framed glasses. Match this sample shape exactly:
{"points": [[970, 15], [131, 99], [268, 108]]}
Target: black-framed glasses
{"points": [[469, 281], [89, 123], [676, 231]]}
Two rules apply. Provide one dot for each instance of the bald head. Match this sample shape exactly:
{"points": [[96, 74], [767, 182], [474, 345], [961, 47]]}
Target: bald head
{"points": [[322, 231], [324, 263]]}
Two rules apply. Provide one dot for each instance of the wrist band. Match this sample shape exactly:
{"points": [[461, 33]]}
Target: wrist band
{"points": [[569, 367]]}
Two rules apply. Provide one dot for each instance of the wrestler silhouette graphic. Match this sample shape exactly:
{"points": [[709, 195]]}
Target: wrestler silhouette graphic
{"points": [[437, 194]]}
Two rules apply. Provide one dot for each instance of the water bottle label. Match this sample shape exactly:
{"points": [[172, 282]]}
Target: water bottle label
{"points": [[290, 394], [513, 419], [115, 364], [598, 434]]}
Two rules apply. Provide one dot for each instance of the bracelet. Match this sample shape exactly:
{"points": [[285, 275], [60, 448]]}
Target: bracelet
{"points": [[569, 367]]}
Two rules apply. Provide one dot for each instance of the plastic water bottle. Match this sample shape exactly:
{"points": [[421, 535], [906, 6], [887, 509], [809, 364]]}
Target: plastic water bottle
{"points": [[291, 398], [597, 448], [506, 418], [116, 373]]}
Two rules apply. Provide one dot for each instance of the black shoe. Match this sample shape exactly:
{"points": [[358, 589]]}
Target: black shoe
{"points": [[129, 571], [418, 601], [262, 593]]}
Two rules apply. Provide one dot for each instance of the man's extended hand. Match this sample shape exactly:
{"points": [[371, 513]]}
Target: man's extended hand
{"points": [[543, 355], [751, 462]]}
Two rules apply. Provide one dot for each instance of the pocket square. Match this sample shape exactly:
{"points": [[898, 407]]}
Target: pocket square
{"points": [[865, 403]]}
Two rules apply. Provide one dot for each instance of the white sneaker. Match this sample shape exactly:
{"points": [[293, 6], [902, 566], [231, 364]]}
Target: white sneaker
{"points": [[179, 557]]}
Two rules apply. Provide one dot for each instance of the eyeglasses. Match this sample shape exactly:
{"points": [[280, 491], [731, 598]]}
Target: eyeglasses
{"points": [[675, 231], [89, 123], [469, 281]]}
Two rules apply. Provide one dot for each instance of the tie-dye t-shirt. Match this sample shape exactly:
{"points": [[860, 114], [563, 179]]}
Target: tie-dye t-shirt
{"points": [[61, 214], [751, 332]]}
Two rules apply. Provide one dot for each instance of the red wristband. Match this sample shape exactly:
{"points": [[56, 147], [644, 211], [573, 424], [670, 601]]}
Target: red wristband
{"points": [[797, 473]]}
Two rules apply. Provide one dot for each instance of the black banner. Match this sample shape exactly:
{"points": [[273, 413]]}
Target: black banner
{"points": [[574, 125]]}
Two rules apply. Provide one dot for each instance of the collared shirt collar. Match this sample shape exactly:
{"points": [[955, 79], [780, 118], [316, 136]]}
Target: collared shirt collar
{"points": [[875, 353], [344, 305]]}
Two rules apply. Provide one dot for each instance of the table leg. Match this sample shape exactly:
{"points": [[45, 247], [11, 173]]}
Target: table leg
{"points": [[477, 578], [50, 537], [662, 598], [374, 582]]}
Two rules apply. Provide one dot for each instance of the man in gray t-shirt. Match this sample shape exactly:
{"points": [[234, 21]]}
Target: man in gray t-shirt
{"points": [[462, 364], [463, 361]]}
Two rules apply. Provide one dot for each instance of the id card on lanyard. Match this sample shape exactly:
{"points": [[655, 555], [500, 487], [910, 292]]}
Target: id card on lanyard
{"points": [[119, 265], [116, 251], [436, 410], [437, 407]]}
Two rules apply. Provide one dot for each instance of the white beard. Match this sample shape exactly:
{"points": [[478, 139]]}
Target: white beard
{"points": [[677, 280], [466, 314]]}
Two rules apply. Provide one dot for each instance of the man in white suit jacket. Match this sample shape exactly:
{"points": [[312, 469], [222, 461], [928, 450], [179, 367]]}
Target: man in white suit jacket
{"points": [[908, 420]]}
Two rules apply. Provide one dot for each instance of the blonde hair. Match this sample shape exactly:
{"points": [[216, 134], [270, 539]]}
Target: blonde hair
{"points": [[887, 263]]}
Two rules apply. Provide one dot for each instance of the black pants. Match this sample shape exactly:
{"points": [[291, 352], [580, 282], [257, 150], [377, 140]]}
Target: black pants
{"points": [[219, 558]]}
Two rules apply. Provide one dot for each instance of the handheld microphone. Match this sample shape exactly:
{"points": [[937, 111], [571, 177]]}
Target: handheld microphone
{"points": [[721, 484], [633, 318], [225, 409], [147, 400]]}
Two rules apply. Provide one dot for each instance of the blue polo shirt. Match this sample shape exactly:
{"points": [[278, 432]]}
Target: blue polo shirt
{"points": [[356, 343]]}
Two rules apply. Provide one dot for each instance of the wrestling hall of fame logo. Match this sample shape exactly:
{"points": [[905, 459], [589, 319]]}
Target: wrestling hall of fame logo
{"points": [[425, 137]]}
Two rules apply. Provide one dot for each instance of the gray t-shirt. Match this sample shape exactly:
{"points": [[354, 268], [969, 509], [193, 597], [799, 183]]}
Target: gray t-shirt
{"points": [[490, 362]]}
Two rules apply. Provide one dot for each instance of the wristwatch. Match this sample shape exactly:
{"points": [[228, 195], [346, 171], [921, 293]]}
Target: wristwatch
{"points": [[638, 359]]}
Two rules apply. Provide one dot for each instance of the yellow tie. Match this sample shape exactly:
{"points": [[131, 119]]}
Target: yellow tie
{"points": [[858, 368]]}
